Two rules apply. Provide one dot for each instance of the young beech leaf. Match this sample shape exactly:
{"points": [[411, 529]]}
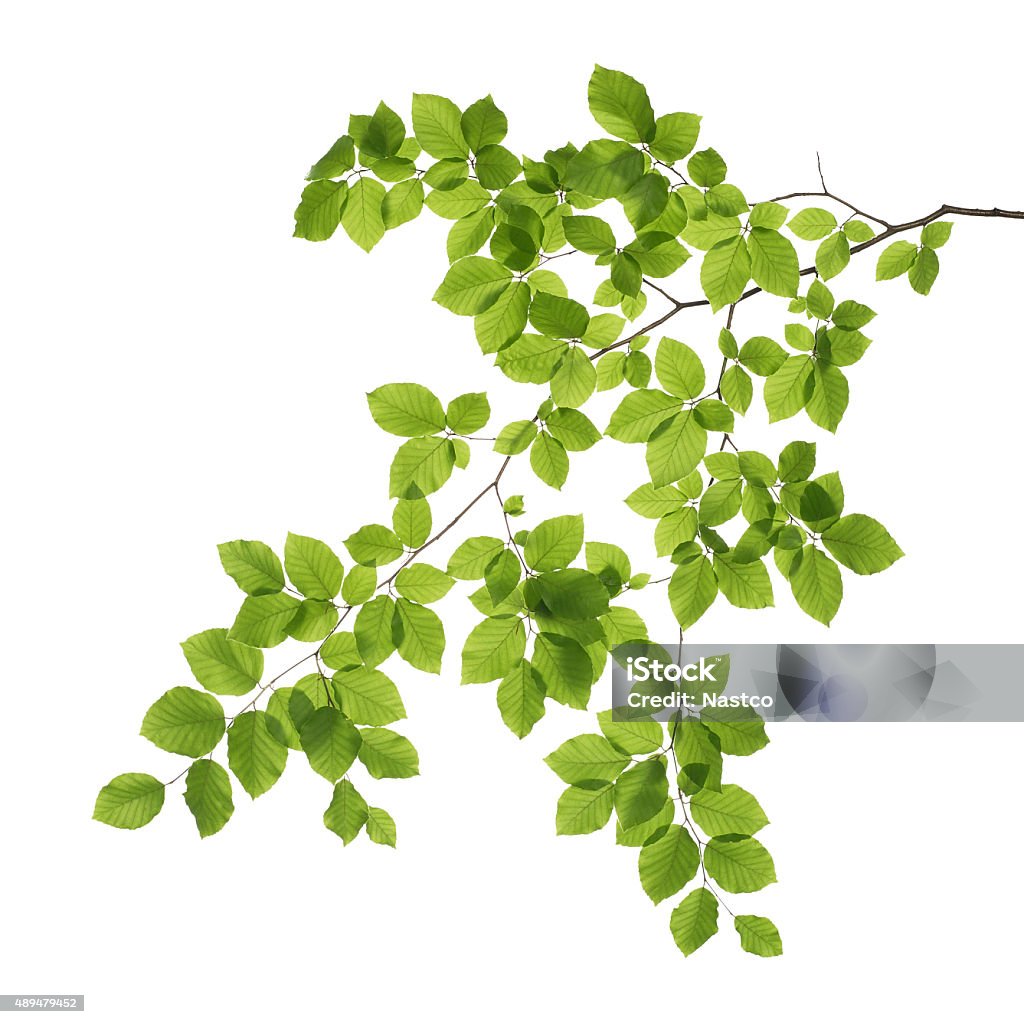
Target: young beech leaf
{"points": [[129, 801]]}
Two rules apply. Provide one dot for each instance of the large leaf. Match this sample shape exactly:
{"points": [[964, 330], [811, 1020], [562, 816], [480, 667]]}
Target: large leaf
{"points": [[739, 865], [695, 920], [254, 754], [605, 169], [667, 865], [862, 544], [734, 811], [408, 410], [581, 811], [493, 648], [725, 272], [620, 105], [221, 665], [586, 758], [330, 741], [313, 567], [185, 721], [129, 801], [208, 796]]}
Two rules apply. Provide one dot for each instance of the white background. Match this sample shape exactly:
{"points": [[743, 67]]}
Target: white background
{"points": [[179, 371]]}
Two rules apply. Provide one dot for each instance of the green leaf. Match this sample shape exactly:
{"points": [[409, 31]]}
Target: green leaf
{"points": [[787, 390], [737, 389], [605, 169], [468, 413], [695, 920], [129, 801], [470, 559], [185, 721], [773, 262], [862, 544], [374, 630], [437, 123], [497, 167], [408, 410], [549, 461], [565, 668], [347, 812], [586, 758], [573, 429], [739, 865], [341, 157], [632, 737], [313, 567], [800, 337], [521, 699], [820, 300], [758, 935], [263, 621], [720, 502], [515, 437], [668, 864], [374, 545], [387, 755], [896, 259], [362, 218], [817, 585], [532, 358], [649, 831], [675, 135], [221, 665], [706, 168], [923, 271], [852, 315], [833, 255], [714, 415], [573, 593], [644, 203], [493, 648], [768, 215], [402, 203], [368, 697], [254, 754], [208, 796], [483, 124], [679, 369], [734, 811], [611, 370], [380, 827], [745, 584], [936, 234], [581, 811], [726, 200], [252, 565], [472, 285], [557, 317], [676, 448], [654, 502], [812, 223], [641, 792], [330, 741], [857, 231], [319, 211], [575, 380], [796, 461], [589, 234], [412, 521], [554, 543], [360, 584], [692, 590], [640, 413], [505, 320], [313, 621], [725, 272], [422, 642], [421, 466], [830, 396], [279, 719], [423, 583], [762, 356], [620, 105]]}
